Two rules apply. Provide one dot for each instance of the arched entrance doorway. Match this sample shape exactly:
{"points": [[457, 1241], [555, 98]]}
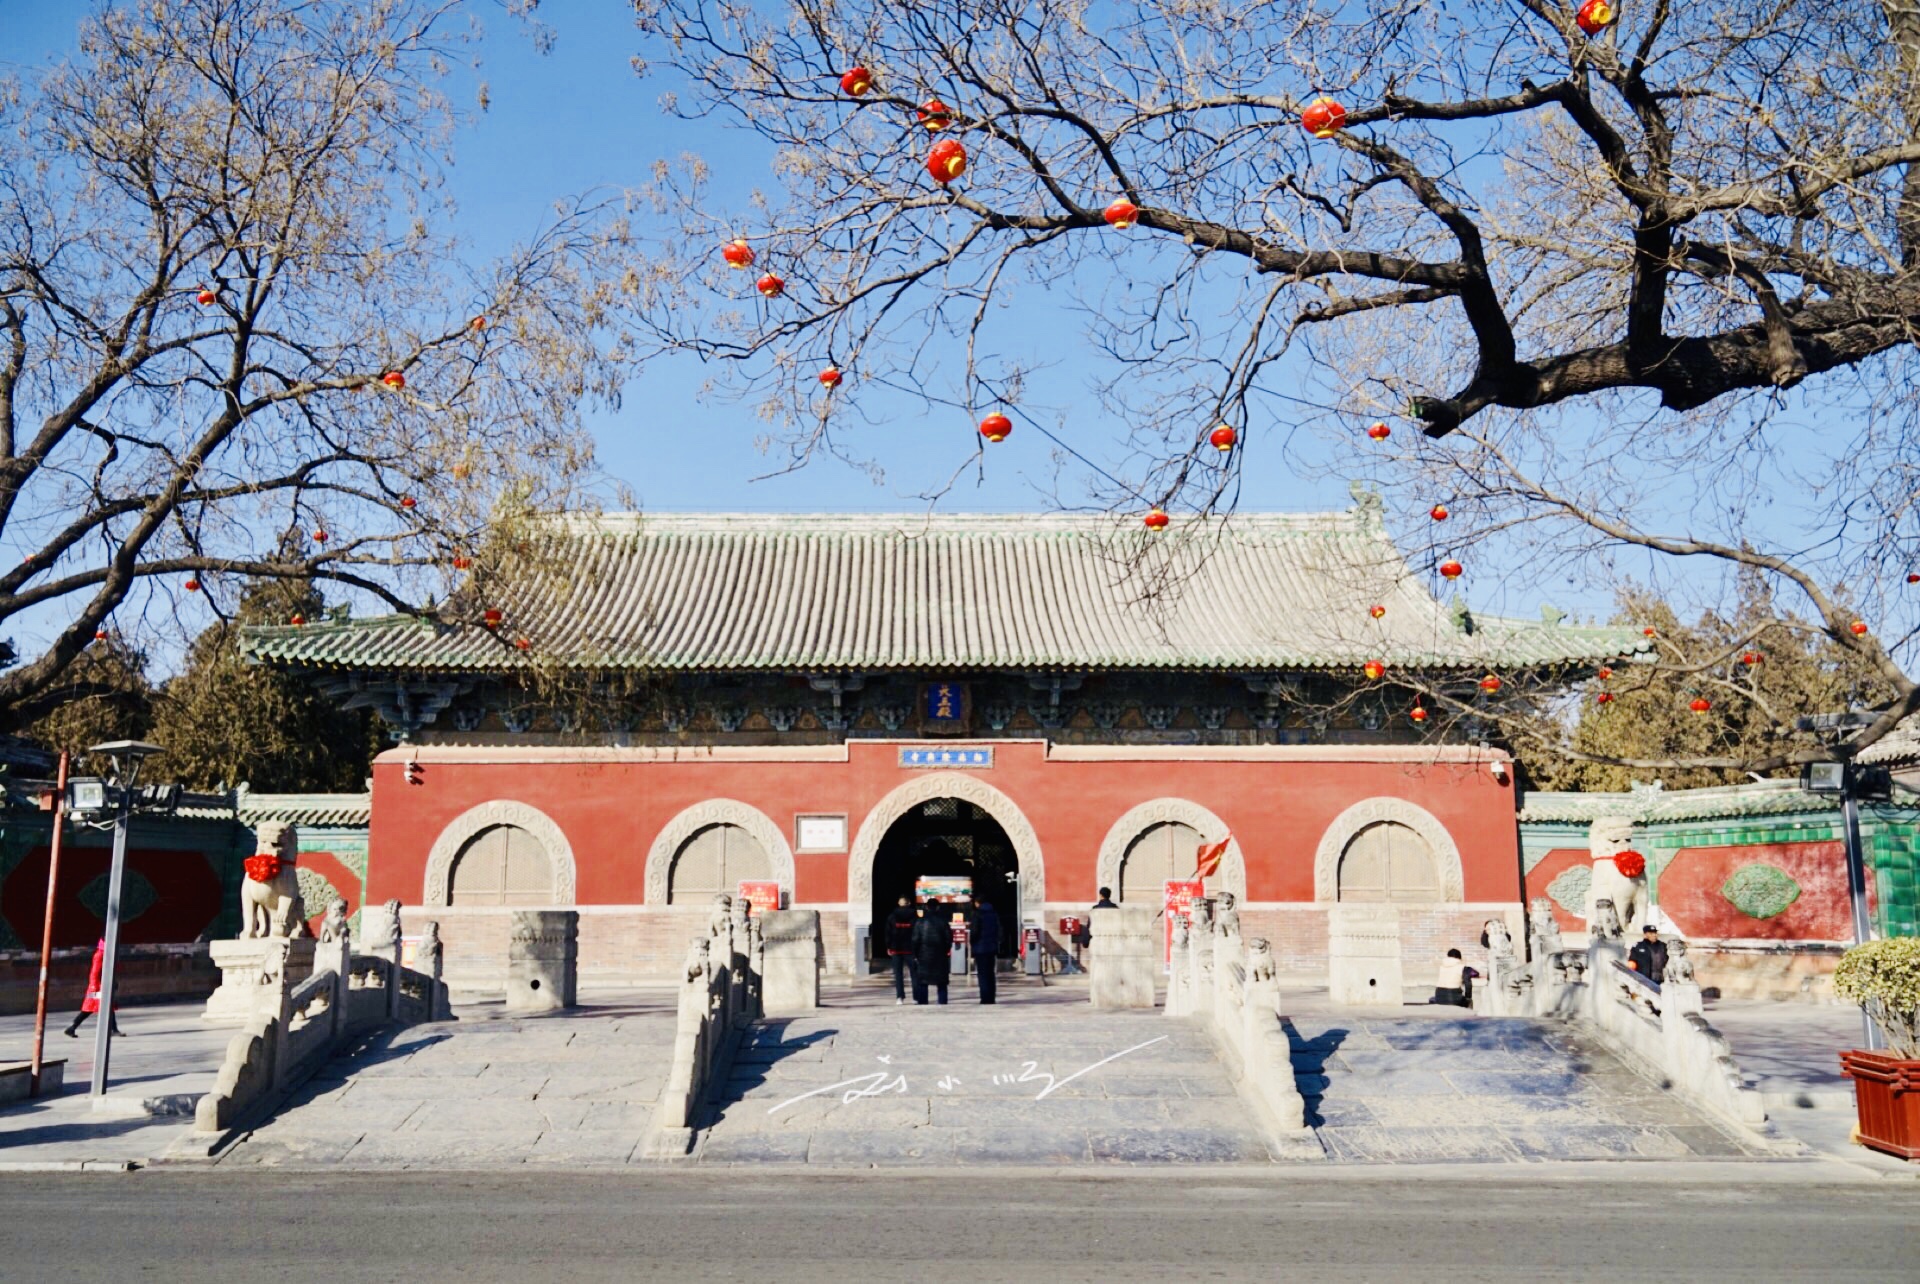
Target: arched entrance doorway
{"points": [[951, 838]]}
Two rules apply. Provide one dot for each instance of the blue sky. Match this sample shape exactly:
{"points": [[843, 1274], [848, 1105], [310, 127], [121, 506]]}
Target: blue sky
{"points": [[577, 118]]}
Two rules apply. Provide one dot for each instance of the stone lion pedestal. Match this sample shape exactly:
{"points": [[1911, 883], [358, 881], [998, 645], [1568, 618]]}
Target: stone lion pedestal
{"points": [[1363, 955], [246, 985], [543, 950]]}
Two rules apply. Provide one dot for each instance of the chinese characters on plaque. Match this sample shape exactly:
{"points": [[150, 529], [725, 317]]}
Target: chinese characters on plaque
{"points": [[946, 708]]}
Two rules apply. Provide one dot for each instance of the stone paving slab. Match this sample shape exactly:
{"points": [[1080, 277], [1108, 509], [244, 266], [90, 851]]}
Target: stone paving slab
{"points": [[1023, 1082]]}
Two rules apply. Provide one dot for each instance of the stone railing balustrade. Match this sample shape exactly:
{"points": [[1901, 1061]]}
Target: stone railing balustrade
{"points": [[1230, 988], [720, 995], [299, 1024]]}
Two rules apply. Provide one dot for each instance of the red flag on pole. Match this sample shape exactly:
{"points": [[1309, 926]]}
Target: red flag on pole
{"points": [[1209, 864]]}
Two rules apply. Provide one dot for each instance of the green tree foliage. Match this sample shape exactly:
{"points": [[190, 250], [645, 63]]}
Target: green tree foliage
{"points": [[224, 721], [105, 695], [1649, 724]]}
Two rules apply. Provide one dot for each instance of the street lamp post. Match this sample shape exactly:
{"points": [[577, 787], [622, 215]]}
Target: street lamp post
{"points": [[117, 792], [1846, 780]]}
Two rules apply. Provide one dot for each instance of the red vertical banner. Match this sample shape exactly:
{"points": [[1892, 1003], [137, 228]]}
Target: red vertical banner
{"points": [[1181, 893]]}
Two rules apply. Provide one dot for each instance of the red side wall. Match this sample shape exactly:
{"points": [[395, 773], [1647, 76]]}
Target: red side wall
{"points": [[1690, 892], [611, 811]]}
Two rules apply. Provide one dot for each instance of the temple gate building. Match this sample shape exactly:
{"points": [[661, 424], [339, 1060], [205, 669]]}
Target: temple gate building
{"points": [[665, 708]]}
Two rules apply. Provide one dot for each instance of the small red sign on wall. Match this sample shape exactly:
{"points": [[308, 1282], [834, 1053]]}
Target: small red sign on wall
{"points": [[761, 894]]}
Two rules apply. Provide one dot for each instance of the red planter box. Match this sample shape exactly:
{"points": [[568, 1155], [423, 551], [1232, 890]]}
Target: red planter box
{"points": [[1886, 1092]]}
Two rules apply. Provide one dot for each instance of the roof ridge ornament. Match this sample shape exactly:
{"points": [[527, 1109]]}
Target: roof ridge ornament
{"points": [[1368, 506]]}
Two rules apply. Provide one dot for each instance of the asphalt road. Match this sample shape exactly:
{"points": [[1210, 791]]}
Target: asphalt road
{"points": [[1687, 1222]]}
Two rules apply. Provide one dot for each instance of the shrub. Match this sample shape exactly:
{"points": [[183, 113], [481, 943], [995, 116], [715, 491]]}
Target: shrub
{"points": [[1883, 977]]}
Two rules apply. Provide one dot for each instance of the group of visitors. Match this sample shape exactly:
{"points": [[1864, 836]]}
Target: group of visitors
{"points": [[1454, 983], [920, 944]]}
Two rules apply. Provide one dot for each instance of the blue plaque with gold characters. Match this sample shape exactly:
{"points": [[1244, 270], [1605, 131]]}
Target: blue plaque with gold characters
{"points": [[946, 708]]}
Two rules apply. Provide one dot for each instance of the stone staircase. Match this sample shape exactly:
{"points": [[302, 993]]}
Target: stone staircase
{"points": [[1436, 1085]]}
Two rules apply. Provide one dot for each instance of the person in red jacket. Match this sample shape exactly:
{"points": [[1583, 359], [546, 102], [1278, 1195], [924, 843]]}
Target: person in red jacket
{"points": [[91, 1004]]}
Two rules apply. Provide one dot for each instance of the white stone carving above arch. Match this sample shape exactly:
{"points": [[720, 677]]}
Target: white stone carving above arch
{"points": [[501, 811], [1137, 820], [715, 811], [1372, 811], [924, 789]]}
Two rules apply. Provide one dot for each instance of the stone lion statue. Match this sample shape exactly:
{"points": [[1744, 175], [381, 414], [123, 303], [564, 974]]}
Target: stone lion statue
{"points": [[1227, 922], [1543, 927], [1499, 940], [334, 926], [1606, 837], [1679, 966], [1260, 964], [1181, 932], [270, 903], [1604, 921], [427, 955], [383, 927]]}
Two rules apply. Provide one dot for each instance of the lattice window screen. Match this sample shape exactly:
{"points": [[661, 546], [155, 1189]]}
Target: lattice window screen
{"points": [[1388, 862], [1163, 852]]}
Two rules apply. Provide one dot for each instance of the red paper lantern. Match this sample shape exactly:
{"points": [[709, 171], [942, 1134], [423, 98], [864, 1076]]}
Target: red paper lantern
{"points": [[492, 617], [1223, 437], [1604, 673], [1595, 16], [1913, 577], [935, 115], [1122, 214], [997, 427], [1376, 610], [1605, 697], [1323, 118], [461, 562], [207, 298], [1156, 519], [1650, 631], [1438, 513], [1451, 570], [1752, 658], [856, 81], [770, 286], [947, 161], [320, 537], [737, 253], [1630, 863], [1700, 704], [480, 323], [1859, 628], [297, 618], [99, 635], [1490, 684], [1374, 669], [830, 378], [1379, 432], [191, 586], [1417, 713], [408, 501], [394, 380], [522, 644]]}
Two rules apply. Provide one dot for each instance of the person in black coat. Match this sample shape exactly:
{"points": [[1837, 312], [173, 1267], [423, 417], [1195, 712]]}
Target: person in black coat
{"points": [[932, 951], [1648, 957], [986, 949], [899, 929]]}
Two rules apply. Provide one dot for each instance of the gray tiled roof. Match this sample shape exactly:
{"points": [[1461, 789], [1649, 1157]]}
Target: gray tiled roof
{"points": [[836, 592], [1651, 803]]}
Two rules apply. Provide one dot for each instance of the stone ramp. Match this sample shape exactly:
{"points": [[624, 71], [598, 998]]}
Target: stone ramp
{"points": [[1037, 1079], [1438, 1085], [575, 1088]]}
